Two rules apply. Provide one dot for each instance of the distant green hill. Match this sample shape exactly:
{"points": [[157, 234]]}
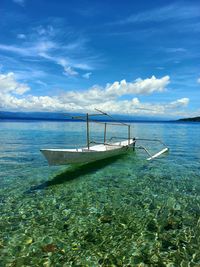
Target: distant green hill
{"points": [[195, 119]]}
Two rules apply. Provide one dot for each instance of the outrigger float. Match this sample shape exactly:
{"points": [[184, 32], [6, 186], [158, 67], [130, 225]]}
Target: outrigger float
{"points": [[95, 150]]}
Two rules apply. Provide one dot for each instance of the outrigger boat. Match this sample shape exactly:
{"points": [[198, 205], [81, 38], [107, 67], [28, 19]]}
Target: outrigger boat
{"points": [[97, 151]]}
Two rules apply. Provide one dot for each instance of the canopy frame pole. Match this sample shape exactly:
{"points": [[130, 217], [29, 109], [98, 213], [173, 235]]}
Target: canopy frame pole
{"points": [[88, 131], [105, 128], [129, 134]]}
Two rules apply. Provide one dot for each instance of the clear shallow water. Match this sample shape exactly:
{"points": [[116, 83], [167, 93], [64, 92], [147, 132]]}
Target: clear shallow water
{"points": [[118, 212]]}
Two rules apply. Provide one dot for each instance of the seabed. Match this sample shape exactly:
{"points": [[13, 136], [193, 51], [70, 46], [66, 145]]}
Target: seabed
{"points": [[109, 213]]}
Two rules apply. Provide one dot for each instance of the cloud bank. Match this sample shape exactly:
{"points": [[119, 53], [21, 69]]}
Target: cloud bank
{"points": [[15, 95]]}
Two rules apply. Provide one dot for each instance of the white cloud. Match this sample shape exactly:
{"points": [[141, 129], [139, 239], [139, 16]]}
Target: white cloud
{"points": [[139, 86], [44, 46], [8, 84], [48, 50], [107, 98], [35, 50], [13, 97], [45, 31], [15, 49], [198, 80], [19, 2], [82, 66], [170, 12], [68, 66], [68, 70], [31, 73], [41, 83], [175, 50], [87, 75], [21, 36], [111, 92], [183, 102]]}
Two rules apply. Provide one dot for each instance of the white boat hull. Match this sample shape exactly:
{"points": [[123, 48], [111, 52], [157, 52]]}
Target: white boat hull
{"points": [[83, 155]]}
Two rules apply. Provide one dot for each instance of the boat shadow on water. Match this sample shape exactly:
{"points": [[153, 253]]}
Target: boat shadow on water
{"points": [[75, 172]]}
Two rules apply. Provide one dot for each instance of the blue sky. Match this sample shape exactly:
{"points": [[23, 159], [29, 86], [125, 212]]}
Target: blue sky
{"points": [[126, 57]]}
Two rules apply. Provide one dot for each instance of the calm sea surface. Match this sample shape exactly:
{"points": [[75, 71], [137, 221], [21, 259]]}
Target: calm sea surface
{"points": [[118, 212]]}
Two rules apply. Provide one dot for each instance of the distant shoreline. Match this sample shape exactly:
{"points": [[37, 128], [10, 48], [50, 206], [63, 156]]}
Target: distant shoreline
{"points": [[62, 117], [195, 119], [56, 116], [70, 120]]}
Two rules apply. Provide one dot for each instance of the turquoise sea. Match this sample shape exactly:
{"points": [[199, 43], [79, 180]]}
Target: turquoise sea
{"points": [[118, 212]]}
